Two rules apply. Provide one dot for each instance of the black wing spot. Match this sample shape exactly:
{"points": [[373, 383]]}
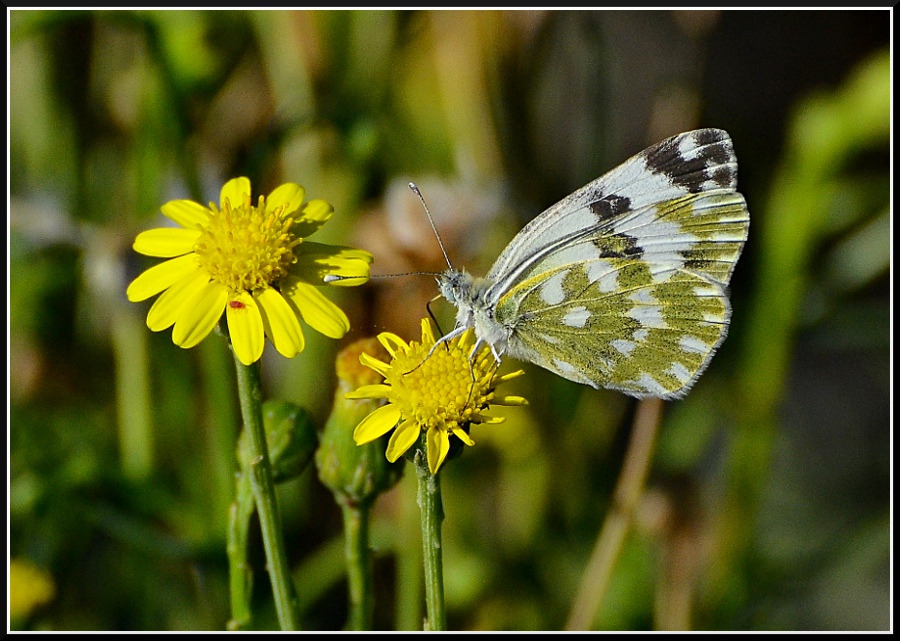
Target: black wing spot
{"points": [[708, 136], [724, 176], [610, 206], [713, 161]]}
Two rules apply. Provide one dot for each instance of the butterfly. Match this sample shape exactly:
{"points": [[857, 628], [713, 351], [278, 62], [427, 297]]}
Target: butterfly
{"points": [[624, 283]]}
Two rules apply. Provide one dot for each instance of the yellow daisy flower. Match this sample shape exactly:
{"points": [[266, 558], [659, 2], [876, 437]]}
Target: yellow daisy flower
{"points": [[440, 392], [251, 261]]}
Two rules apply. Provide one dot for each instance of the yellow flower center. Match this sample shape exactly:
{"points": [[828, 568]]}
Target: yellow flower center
{"points": [[247, 248], [439, 390]]}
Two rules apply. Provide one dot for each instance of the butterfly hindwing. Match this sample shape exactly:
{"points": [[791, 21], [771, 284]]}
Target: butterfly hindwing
{"points": [[643, 328]]}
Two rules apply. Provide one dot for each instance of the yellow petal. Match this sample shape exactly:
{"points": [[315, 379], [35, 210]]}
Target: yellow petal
{"points": [[460, 433], [376, 424], [375, 364], [245, 326], [346, 273], [349, 274], [510, 400], [315, 309], [234, 191], [317, 209], [392, 343], [160, 277], [186, 213], [200, 315], [320, 251], [402, 439], [288, 195], [167, 307], [369, 391], [427, 332], [331, 264], [314, 215], [166, 242], [437, 444], [280, 323]]}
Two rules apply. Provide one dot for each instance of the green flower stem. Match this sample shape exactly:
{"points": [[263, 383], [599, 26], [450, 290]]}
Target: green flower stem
{"points": [[432, 513], [629, 489], [359, 565], [408, 561], [263, 487]]}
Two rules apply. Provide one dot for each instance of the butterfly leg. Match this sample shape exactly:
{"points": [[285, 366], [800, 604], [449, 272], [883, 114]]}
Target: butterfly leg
{"points": [[443, 339], [478, 345]]}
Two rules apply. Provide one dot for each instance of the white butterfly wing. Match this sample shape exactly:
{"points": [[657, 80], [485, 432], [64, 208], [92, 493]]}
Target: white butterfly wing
{"points": [[623, 283]]}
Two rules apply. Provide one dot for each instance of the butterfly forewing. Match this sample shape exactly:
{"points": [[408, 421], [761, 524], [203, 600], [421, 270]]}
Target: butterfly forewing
{"points": [[691, 162]]}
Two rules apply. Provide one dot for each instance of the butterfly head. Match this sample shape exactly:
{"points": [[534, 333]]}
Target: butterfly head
{"points": [[453, 284], [460, 289], [474, 307]]}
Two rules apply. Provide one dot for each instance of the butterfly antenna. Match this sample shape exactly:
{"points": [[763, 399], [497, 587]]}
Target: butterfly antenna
{"points": [[431, 222]]}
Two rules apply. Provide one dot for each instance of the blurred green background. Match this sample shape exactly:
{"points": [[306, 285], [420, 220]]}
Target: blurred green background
{"points": [[768, 504]]}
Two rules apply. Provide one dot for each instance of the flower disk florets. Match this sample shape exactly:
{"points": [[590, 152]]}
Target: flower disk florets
{"points": [[439, 389], [443, 389], [247, 248]]}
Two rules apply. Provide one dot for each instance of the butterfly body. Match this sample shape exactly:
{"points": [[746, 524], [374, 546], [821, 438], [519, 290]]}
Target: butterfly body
{"points": [[469, 294], [622, 284]]}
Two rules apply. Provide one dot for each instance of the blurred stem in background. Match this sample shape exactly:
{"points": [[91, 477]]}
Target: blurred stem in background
{"points": [[222, 427], [409, 561], [239, 571], [625, 498], [133, 398]]}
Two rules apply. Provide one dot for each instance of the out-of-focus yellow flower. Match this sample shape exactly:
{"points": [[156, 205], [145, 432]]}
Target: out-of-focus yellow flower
{"points": [[29, 588]]}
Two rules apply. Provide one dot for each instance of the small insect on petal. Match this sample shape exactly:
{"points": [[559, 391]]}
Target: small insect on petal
{"points": [[236, 304]]}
